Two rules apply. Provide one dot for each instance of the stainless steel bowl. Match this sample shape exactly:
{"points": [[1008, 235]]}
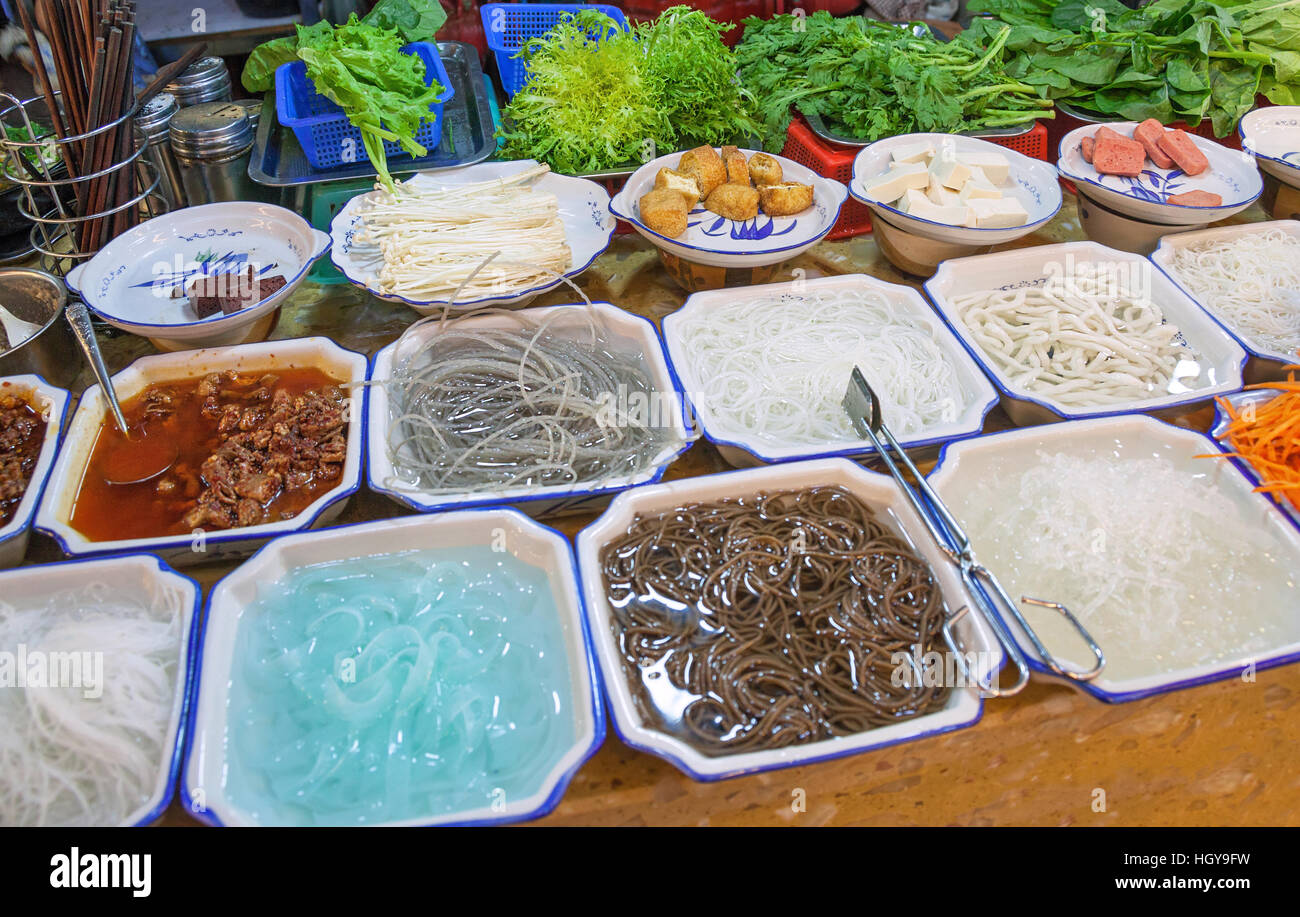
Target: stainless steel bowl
{"points": [[35, 296]]}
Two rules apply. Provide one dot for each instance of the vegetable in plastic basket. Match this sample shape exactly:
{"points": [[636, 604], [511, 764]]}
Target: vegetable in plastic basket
{"points": [[869, 79], [593, 103], [1169, 60], [415, 20]]}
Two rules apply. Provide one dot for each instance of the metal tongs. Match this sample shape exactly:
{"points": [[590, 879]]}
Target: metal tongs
{"points": [[863, 408]]}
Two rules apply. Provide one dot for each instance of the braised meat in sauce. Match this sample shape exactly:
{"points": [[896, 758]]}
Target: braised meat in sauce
{"points": [[22, 433], [252, 448]]}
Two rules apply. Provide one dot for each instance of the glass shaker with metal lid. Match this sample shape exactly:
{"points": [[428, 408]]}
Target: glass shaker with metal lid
{"points": [[205, 80], [212, 143], [154, 122]]}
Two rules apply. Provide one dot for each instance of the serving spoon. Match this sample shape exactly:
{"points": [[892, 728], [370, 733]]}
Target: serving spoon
{"points": [[131, 464]]}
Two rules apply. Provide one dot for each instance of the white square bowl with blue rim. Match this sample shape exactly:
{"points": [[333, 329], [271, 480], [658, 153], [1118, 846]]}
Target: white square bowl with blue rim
{"points": [[743, 448], [1231, 175], [965, 466], [52, 404], [55, 513], [130, 281], [1221, 357], [635, 332], [881, 493], [147, 577], [203, 789], [1264, 363], [716, 241], [583, 208], [1239, 402], [1272, 135], [1030, 181]]}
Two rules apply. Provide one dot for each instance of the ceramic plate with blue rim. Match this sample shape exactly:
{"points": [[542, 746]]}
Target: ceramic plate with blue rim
{"points": [[132, 281], [52, 403], [145, 576], [743, 447], [1231, 175], [1030, 181], [1216, 371], [716, 241], [584, 209], [962, 475], [963, 708], [555, 500], [1163, 258], [1272, 135], [206, 774], [54, 516], [1239, 401]]}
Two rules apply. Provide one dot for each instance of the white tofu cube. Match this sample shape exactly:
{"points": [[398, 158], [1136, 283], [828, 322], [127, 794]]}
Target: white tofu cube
{"points": [[952, 173], [901, 177], [938, 194], [979, 188], [925, 209], [995, 166], [914, 152], [998, 214], [911, 199]]}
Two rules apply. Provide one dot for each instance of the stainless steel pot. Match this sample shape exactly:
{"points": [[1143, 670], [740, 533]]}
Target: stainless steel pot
{"points": [[37, 297]]}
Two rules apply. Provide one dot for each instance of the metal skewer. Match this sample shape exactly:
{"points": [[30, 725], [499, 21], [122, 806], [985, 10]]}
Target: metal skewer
{"points": [[863, 408]]}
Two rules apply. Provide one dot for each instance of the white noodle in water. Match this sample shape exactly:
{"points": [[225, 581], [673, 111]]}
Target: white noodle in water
{"points": [[1091, 340], [1251, 283], [68, 759], [433, 240], [777, 368], [1163, 567]]}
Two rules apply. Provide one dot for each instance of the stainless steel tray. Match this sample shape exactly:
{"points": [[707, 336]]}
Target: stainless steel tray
{"points": [[468, 133], [821, 130]]}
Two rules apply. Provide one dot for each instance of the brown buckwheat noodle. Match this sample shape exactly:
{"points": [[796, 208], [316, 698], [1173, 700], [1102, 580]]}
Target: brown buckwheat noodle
{"points": [[760, 622]]}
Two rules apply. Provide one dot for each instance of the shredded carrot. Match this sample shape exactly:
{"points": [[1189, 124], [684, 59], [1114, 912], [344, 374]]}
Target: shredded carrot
{"points": [[1270, 442]]}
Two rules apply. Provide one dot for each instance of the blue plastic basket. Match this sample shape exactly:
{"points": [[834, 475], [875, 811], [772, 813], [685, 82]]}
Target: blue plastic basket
{"points": [[323, 130], [508, 25]]}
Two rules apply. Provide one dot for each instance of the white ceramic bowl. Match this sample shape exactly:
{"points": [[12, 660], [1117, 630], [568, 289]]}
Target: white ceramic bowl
{"points": [[203, 785], [1163, 258], [1223, 358], [52, 403], [145, 576], [965, 465], [130, 280], [964, 706], [1031, 182], [636, 332], [1272, 135], [1239, 401], [744, 448], [583, 204], [55, 511], [1231, 175], [712, 240]]}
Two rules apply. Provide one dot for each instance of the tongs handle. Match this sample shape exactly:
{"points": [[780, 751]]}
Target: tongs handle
{"points": [[948, 526]]}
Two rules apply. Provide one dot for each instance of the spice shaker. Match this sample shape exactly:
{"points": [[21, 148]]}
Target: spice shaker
{"points": [[154, 122], [212, 143], [205, 80]]}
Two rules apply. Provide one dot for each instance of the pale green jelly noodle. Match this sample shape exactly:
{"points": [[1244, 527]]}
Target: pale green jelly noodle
{"points": [[406, 686]]}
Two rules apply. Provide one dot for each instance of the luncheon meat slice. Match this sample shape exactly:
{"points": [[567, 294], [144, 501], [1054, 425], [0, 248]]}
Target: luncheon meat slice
{"points": [[1184, 151], [1148, 133]]}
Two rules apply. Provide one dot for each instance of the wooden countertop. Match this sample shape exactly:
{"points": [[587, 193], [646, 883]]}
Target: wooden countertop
{"points": [[1219, 754]]}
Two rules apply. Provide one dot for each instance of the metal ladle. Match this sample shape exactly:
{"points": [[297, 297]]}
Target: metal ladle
{"points": [[132, 466]]}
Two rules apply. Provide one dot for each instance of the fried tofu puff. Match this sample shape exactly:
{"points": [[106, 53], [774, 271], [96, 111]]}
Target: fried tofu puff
{"points": [[764, 170], [664, 211], [705, 165], [785, 199], [733, 201], [679, 181], [737, 168]]}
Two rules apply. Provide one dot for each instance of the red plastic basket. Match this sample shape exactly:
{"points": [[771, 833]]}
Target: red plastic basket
{"points": [[836, 161]]}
